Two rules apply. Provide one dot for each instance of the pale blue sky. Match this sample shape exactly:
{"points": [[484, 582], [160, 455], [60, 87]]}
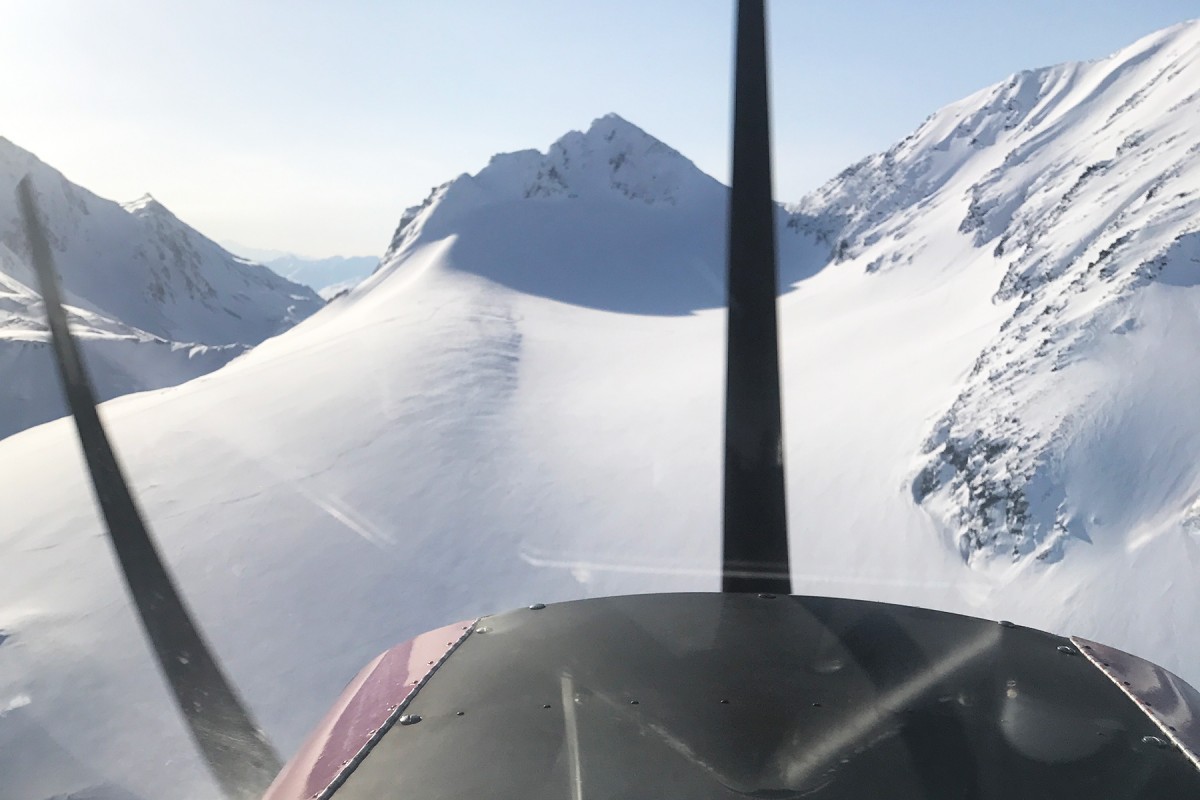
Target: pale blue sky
{"points": [[310, 126]]}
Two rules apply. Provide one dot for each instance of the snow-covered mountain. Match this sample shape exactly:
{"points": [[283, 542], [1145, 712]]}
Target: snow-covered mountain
{"points": [[154, 301], [1080, 184], [989, 354], [609, 219]]}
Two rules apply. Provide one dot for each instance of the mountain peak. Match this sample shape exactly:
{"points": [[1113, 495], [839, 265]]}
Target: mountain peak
{"points": [[613, 154], [612, 161], [147, 205], [613, 125], [614, 137]]}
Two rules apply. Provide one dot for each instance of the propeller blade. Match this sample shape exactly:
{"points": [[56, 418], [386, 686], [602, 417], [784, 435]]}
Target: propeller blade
{"points": [[236, 751], [756, 545]]}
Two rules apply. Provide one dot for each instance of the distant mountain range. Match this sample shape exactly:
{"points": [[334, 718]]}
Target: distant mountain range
{"points": [[328, 276], [989, 340]]}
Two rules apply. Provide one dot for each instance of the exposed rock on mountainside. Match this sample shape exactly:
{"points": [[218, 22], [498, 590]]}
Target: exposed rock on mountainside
{"points": [[1081, 182]]}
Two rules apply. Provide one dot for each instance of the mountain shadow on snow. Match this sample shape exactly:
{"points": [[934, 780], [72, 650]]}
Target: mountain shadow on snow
{"points": [[614, 257]]}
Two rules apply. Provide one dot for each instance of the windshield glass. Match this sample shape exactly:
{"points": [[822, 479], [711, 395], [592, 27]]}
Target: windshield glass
{"points": [[424, 319]]}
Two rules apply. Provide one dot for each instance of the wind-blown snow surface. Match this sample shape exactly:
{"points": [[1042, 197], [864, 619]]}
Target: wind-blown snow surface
{"points": [[521, 404], [154, 302]]}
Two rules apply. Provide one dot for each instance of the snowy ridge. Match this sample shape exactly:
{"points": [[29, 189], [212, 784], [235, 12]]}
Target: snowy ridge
{"points": [[145, 267], [1081, 183], [154, 302], [260, 302]]}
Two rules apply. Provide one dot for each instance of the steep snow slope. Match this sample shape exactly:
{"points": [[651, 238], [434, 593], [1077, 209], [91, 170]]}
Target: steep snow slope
{"points": [[521, 405], [1074, 430], [158, 302]]}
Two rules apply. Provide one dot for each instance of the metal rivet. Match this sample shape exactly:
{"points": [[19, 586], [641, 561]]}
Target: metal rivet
{"points": [[1155, 741], [410, 719], [1070, 651], [459, 713], [1006, 624], [537, 606], [724, 702], [767, 596], [633, 702], [545, 705], [816, 705]]}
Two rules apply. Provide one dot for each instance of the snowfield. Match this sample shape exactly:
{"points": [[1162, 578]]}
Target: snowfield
{"points": [[991, 364]]}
